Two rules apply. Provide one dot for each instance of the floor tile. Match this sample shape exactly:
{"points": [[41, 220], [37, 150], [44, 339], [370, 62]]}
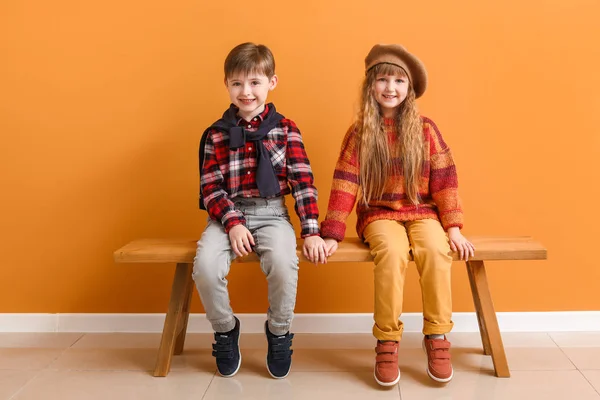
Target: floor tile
{"points": [[86, 359], [519, 359], [522, 385], [20, 358], [409, 340], [138, 341], [120, 365], [118, 341], [576, 339], [509, 339], [584, 358], [12, 381], [594, 378], [315, 360], [317, 341], [321, 360], [46, 340], [301, 386], [537, 359], [114, 385]]}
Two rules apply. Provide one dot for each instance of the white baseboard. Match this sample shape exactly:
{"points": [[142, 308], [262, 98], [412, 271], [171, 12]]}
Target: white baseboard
{"points": [[303, 323]]}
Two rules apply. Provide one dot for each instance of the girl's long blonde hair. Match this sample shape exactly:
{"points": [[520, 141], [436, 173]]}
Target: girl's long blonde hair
{"points": [[374, 152]]}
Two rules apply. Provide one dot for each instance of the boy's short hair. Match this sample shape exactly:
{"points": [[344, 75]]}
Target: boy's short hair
{"points": [[249, 58]]}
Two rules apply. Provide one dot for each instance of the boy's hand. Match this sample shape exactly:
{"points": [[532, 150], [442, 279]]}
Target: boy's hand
{"points": [[241, 240], [314, 249], [331, 246], [460, 243]]}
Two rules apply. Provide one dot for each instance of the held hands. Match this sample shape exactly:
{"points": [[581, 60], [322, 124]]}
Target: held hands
{"points": [[460, 244], [241, 240], [331, 246], [314, 249]]}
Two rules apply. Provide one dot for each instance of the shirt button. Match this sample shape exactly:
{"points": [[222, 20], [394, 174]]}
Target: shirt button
{"points": [[250, 148], [249, 126], [254, 119], [248, 172]]}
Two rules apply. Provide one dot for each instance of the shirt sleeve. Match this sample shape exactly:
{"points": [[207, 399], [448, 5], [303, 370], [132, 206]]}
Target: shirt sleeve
{"points": [[216, 200], [301, 180]]}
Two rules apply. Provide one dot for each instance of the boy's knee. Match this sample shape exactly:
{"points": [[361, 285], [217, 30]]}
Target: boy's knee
{"points": [[205, 270], [281, 265]]}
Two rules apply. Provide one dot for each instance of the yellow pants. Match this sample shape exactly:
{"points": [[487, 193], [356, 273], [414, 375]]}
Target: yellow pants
{"points": [[391, 243]]}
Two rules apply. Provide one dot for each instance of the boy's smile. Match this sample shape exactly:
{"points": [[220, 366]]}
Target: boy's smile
{"points": [[248, 92]]}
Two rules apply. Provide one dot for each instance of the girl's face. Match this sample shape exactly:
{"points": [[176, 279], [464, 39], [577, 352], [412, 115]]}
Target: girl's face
{"points": [[390, 91]]}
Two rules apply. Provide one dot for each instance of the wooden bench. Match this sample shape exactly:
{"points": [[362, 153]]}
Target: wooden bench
{"points": [[182, 253]]}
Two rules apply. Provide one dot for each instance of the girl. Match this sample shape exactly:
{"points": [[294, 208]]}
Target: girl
{"points": [[407, 201]]}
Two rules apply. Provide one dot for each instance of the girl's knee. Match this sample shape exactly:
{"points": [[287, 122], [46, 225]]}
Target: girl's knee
{"points": [[390, 250], [438, 249]]}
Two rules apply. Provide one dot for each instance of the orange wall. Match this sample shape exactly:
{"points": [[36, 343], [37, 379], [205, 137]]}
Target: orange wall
{"points": [[102, 105]]}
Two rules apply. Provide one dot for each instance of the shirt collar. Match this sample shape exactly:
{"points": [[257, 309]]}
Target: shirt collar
{"points": [[256, 120]]}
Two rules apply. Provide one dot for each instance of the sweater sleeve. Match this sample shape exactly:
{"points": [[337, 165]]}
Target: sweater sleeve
{"points": [[443, 180], [344, 189]]}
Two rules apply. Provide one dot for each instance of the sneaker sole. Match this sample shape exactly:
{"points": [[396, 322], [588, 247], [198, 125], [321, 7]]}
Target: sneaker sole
{"points": [[440, 380], [435, 378], [277, 377], [387, 383], [239, 363]]}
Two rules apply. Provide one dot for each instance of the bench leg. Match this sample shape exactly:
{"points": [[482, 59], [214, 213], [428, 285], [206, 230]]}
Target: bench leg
{"points": [[477, 301], [180, 341], [486, 316], [174, 318]]}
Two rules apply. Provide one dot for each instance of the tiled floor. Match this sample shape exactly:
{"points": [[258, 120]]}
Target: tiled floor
{"points": [[118, 366]]}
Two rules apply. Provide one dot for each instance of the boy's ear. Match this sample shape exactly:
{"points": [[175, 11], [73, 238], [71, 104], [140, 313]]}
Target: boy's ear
{"points": [[225, 81], [273, 82]]}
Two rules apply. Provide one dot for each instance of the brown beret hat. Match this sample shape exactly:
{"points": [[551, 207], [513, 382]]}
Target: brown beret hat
{"points": [[397, 55]]}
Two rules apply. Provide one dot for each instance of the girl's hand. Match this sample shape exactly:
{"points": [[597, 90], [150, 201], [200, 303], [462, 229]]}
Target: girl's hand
{"points": [[460, 243], [241, 240], [331, 245], [314, 249]]}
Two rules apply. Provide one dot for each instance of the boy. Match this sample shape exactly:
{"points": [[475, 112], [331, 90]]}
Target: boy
{"points": [[249, 160]]}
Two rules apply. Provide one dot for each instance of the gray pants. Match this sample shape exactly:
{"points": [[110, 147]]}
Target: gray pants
{"points": [[275, 243]]}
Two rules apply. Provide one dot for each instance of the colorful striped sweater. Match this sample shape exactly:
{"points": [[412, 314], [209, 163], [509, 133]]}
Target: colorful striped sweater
{"points": [[438, 188]]}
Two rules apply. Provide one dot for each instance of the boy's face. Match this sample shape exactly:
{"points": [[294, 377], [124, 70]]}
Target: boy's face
{"points": [[248, 92]]}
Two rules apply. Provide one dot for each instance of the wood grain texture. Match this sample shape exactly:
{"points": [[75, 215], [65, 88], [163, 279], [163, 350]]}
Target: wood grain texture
{"points": [[350, 250]]}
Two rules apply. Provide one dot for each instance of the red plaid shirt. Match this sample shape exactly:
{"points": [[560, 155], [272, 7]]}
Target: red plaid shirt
{"points": [[227, 174]]}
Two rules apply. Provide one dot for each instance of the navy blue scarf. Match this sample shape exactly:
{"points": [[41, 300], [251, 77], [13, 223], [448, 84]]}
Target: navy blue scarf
{"points": [[266, 180]]}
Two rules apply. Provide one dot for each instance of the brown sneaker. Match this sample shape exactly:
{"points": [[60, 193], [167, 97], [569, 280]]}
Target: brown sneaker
{"points": [[439, 366], [387, 372]]}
